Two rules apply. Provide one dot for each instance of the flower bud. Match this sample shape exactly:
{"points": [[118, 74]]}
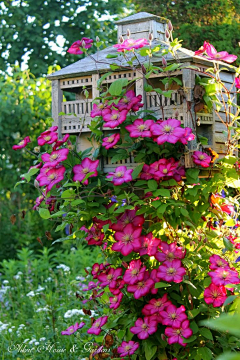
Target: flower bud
{"points": [[181, 288], [128, 33], [169, 25], [190, 297], [97, 39], [150, 36], [198, 122], [176, 114], [164, 62], [83, 43], [163, 337], [121, 39], [36, 149], [36, 184], [167, 34], [70, 146], [205, 240]]}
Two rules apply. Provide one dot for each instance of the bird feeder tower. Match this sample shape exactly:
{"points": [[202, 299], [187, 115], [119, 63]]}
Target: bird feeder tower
{"points": [[73, 116]]}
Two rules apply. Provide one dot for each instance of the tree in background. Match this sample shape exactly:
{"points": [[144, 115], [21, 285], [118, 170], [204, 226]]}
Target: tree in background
{"points": [[39, 30], [197, 20]]}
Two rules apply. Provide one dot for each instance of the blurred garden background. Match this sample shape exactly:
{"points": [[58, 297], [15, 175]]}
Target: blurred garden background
{"points": [[35, 36]]}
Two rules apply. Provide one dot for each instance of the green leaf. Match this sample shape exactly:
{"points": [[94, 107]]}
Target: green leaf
{"points": [[58, 213], [184, 211], [193, 313], [102, 78], [225, 322], [205, 353], [203, 140], [189, 340], [172, 67], [228, 245], [229, 300], [19, 182], [152, 184], [68, 194], [44, 213], [160, 285], [162, 192], [111, 56], [137, 171], [77, 202], [116, 87], [206, 333], [149, 350], [229, 356]]}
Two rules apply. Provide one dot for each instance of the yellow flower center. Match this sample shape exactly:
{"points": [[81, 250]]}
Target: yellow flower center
{"points": [[97, 324], [171, 271], [109, 277], [52, 177], [21, 142], [119, 174], [134, 272], [110, 139], [224, 274], [165, 171], [54, 156], [47, 137], [173, 316], [144, 326], [85, 170], [201, 157], [167, 128], [128, 347], [141, 127], [115, 116]]}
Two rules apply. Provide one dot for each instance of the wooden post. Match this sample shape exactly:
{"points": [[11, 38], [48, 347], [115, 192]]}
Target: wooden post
{"points": [[57, 98]]}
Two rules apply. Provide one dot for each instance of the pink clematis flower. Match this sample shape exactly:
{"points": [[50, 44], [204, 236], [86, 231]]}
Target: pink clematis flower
{"points": [[87, 166], [55, 157], [116, 286], [140, 128], [113, 117], [212, 54], [149, 245], [134, 273], [127, 240], [130, 102], [163, 167], [202, 49], [142, 287], [179, 173], [110, 141], [145, 174], [224, 276], [168, 131], [75, 48], [128, 217], [176, 334], [215, 295], [217, 262], [72, 329], [96, 270], [22, 143], [96, 326], [98, 109], [170, 252], [173, 316], [130, 44], [110, 276], [188, 136], [52, 177], [38, 201], [156, 306], [120, 175], [227, 208], [48, 137], [154, 277], [237, 82], [144, 327], [171, 271], [115, 301], [127, 348], [201, 158], [60, 142], [95, 235]]}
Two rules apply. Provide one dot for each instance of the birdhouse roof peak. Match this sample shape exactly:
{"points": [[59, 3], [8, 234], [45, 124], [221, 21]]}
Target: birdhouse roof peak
{"points": [[140, 17]]}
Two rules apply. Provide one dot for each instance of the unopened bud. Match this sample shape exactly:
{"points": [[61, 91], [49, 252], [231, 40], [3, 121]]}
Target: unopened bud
{"points": [[128, 33], [166, 86], [121, 39], [150, 36], [36, 149], [170, 27], [205, 240], [176, 114], [97, 39], [70, 147], [163, 337], [181, 288], [36, 184], [164, 62], [190, 297], [167, 34], [198, 122], [83, 43], [191, 243]]}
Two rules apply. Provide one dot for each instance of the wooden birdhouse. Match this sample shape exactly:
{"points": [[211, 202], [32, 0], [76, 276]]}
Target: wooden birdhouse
{"points": [[73, 116]]}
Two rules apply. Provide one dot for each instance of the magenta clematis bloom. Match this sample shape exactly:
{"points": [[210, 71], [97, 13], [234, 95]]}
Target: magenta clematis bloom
{"points": [[179, 173], [130, 102], [163, 167], [173, 316], [202, 49], [115, 301], [201, 158], [98, 109], [140, 128], [130, 44], [227, 208], [72, 329], [171, 271], [91, 285], [145, 174], [142, 287], [75, 48], [47, 137], [120, 175], [87, 166], [96, 326], [134, 273], [60, 142], [217, 262], [224, 276], [110, 141], [144, 327], [22, 143], [154, 277], [176, 334], [127, 348], [113, 117], [96, 270], [127, 240], [128, 217], [170, 252], [95, 235], [52, 177], [156, 306], [168, 131], [55, 157], [237, 82], [116, 286], [111, 275], [215, 295], [38, 201], [149, 245], [188, 136], [212, 54]]}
